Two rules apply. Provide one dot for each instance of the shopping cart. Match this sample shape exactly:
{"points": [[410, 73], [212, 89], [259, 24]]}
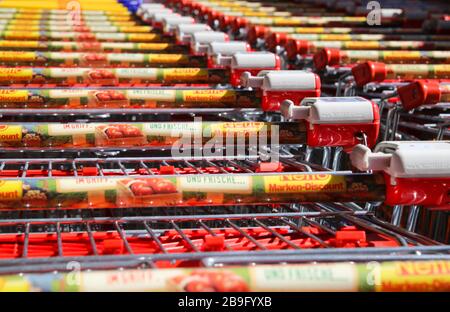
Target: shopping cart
{"points": [[204, 235]]}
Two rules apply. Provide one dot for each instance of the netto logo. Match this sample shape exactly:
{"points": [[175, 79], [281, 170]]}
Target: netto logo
{"points": [[3, 127], [10, 70], [305, 177]]}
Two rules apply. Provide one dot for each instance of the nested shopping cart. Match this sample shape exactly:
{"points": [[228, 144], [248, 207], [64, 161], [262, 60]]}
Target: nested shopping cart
{"points": [[36, 239]]}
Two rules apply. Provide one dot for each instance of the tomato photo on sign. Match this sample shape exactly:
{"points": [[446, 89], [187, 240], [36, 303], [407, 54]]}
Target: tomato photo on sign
{"points": [[205, 280], [103, 96], [114, 133], [162, 186], [199, 285], [95, 57], [140, 188], [129, 131]]}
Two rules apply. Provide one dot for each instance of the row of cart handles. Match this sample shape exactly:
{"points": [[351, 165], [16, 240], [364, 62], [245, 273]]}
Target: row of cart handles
{"points": [[421, 177], [329, 121]]}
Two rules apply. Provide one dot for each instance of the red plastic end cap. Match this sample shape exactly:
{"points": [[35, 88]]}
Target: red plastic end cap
{"points": [[197, 5], [326, 57], [256, 32], [419, 93], [292, 47], [275, 39], [269, 167], [351, 235], [296, 47], [113, 246], [204, 9], [166, 170], [239, 23], [194, 6], [186, 3], [369, 72], [224, 20], [89, 171], [213, 243], [213, 16]]}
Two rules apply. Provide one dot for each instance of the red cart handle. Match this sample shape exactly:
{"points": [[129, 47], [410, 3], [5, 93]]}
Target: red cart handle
{"points": [[420, 93], [336, 121], [416, 172], [278, 86]]}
